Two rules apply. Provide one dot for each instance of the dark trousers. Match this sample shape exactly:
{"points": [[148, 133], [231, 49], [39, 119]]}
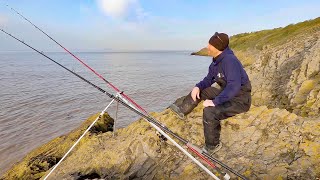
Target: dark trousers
{"points": [[212, 115]]}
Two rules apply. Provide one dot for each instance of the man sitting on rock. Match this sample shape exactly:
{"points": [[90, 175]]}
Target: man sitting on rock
{"points": [[230, 95]]}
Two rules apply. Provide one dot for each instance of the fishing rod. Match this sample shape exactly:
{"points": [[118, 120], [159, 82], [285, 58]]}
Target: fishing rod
{"points": [[157, 125], [199, 152]]}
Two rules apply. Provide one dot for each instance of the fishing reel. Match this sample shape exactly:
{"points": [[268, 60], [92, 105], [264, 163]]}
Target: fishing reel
{"points": [[161, 141], [161, 137]]}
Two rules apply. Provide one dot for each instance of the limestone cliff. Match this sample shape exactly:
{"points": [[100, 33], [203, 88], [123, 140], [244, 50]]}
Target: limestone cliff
{"points": [[262, 143], [288, 76]]}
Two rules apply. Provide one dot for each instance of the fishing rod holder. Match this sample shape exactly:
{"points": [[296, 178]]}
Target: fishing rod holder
{"points": [[161, 137], [117, 96], [120, 97]]}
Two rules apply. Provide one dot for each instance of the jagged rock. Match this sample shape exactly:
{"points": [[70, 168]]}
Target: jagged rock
{"points": [[262, 143], [288, 76], [40, 160]]}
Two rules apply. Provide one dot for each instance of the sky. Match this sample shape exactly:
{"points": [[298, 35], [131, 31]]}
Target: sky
{"points": [[134, 25]]}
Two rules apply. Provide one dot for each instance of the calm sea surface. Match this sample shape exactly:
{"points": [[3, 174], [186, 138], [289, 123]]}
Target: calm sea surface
{"points": [[40, 101]]}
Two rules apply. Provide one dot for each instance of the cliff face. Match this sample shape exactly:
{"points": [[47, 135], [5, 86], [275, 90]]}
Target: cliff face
{"points": [[287, 76], [262, 143]]}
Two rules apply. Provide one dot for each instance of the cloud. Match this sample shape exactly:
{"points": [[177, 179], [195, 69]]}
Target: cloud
{"points": [[128, 16], [119, 8]]}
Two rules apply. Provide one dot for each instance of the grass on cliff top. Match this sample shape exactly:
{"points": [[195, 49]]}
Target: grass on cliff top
{"points": [[277, 36]]}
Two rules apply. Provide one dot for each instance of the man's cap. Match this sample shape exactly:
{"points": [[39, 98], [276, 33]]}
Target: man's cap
{"points": [[219, 41]]}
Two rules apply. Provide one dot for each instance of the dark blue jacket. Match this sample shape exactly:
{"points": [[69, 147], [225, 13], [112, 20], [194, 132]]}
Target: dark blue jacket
{"points": [[233, 73]]}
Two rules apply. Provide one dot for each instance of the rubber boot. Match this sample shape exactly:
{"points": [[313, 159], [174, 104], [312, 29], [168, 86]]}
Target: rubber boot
{"points": [[184, 108], [212, 149], [174, 108]]}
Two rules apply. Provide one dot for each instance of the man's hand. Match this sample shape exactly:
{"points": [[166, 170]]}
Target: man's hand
{"points": [[208, 103], [195, 93]]}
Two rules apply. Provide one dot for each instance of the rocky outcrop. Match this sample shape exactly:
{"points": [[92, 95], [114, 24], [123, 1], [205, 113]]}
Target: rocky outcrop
{"points": [[261, 144], [288, 76], [202, 52], [37, 162]]}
